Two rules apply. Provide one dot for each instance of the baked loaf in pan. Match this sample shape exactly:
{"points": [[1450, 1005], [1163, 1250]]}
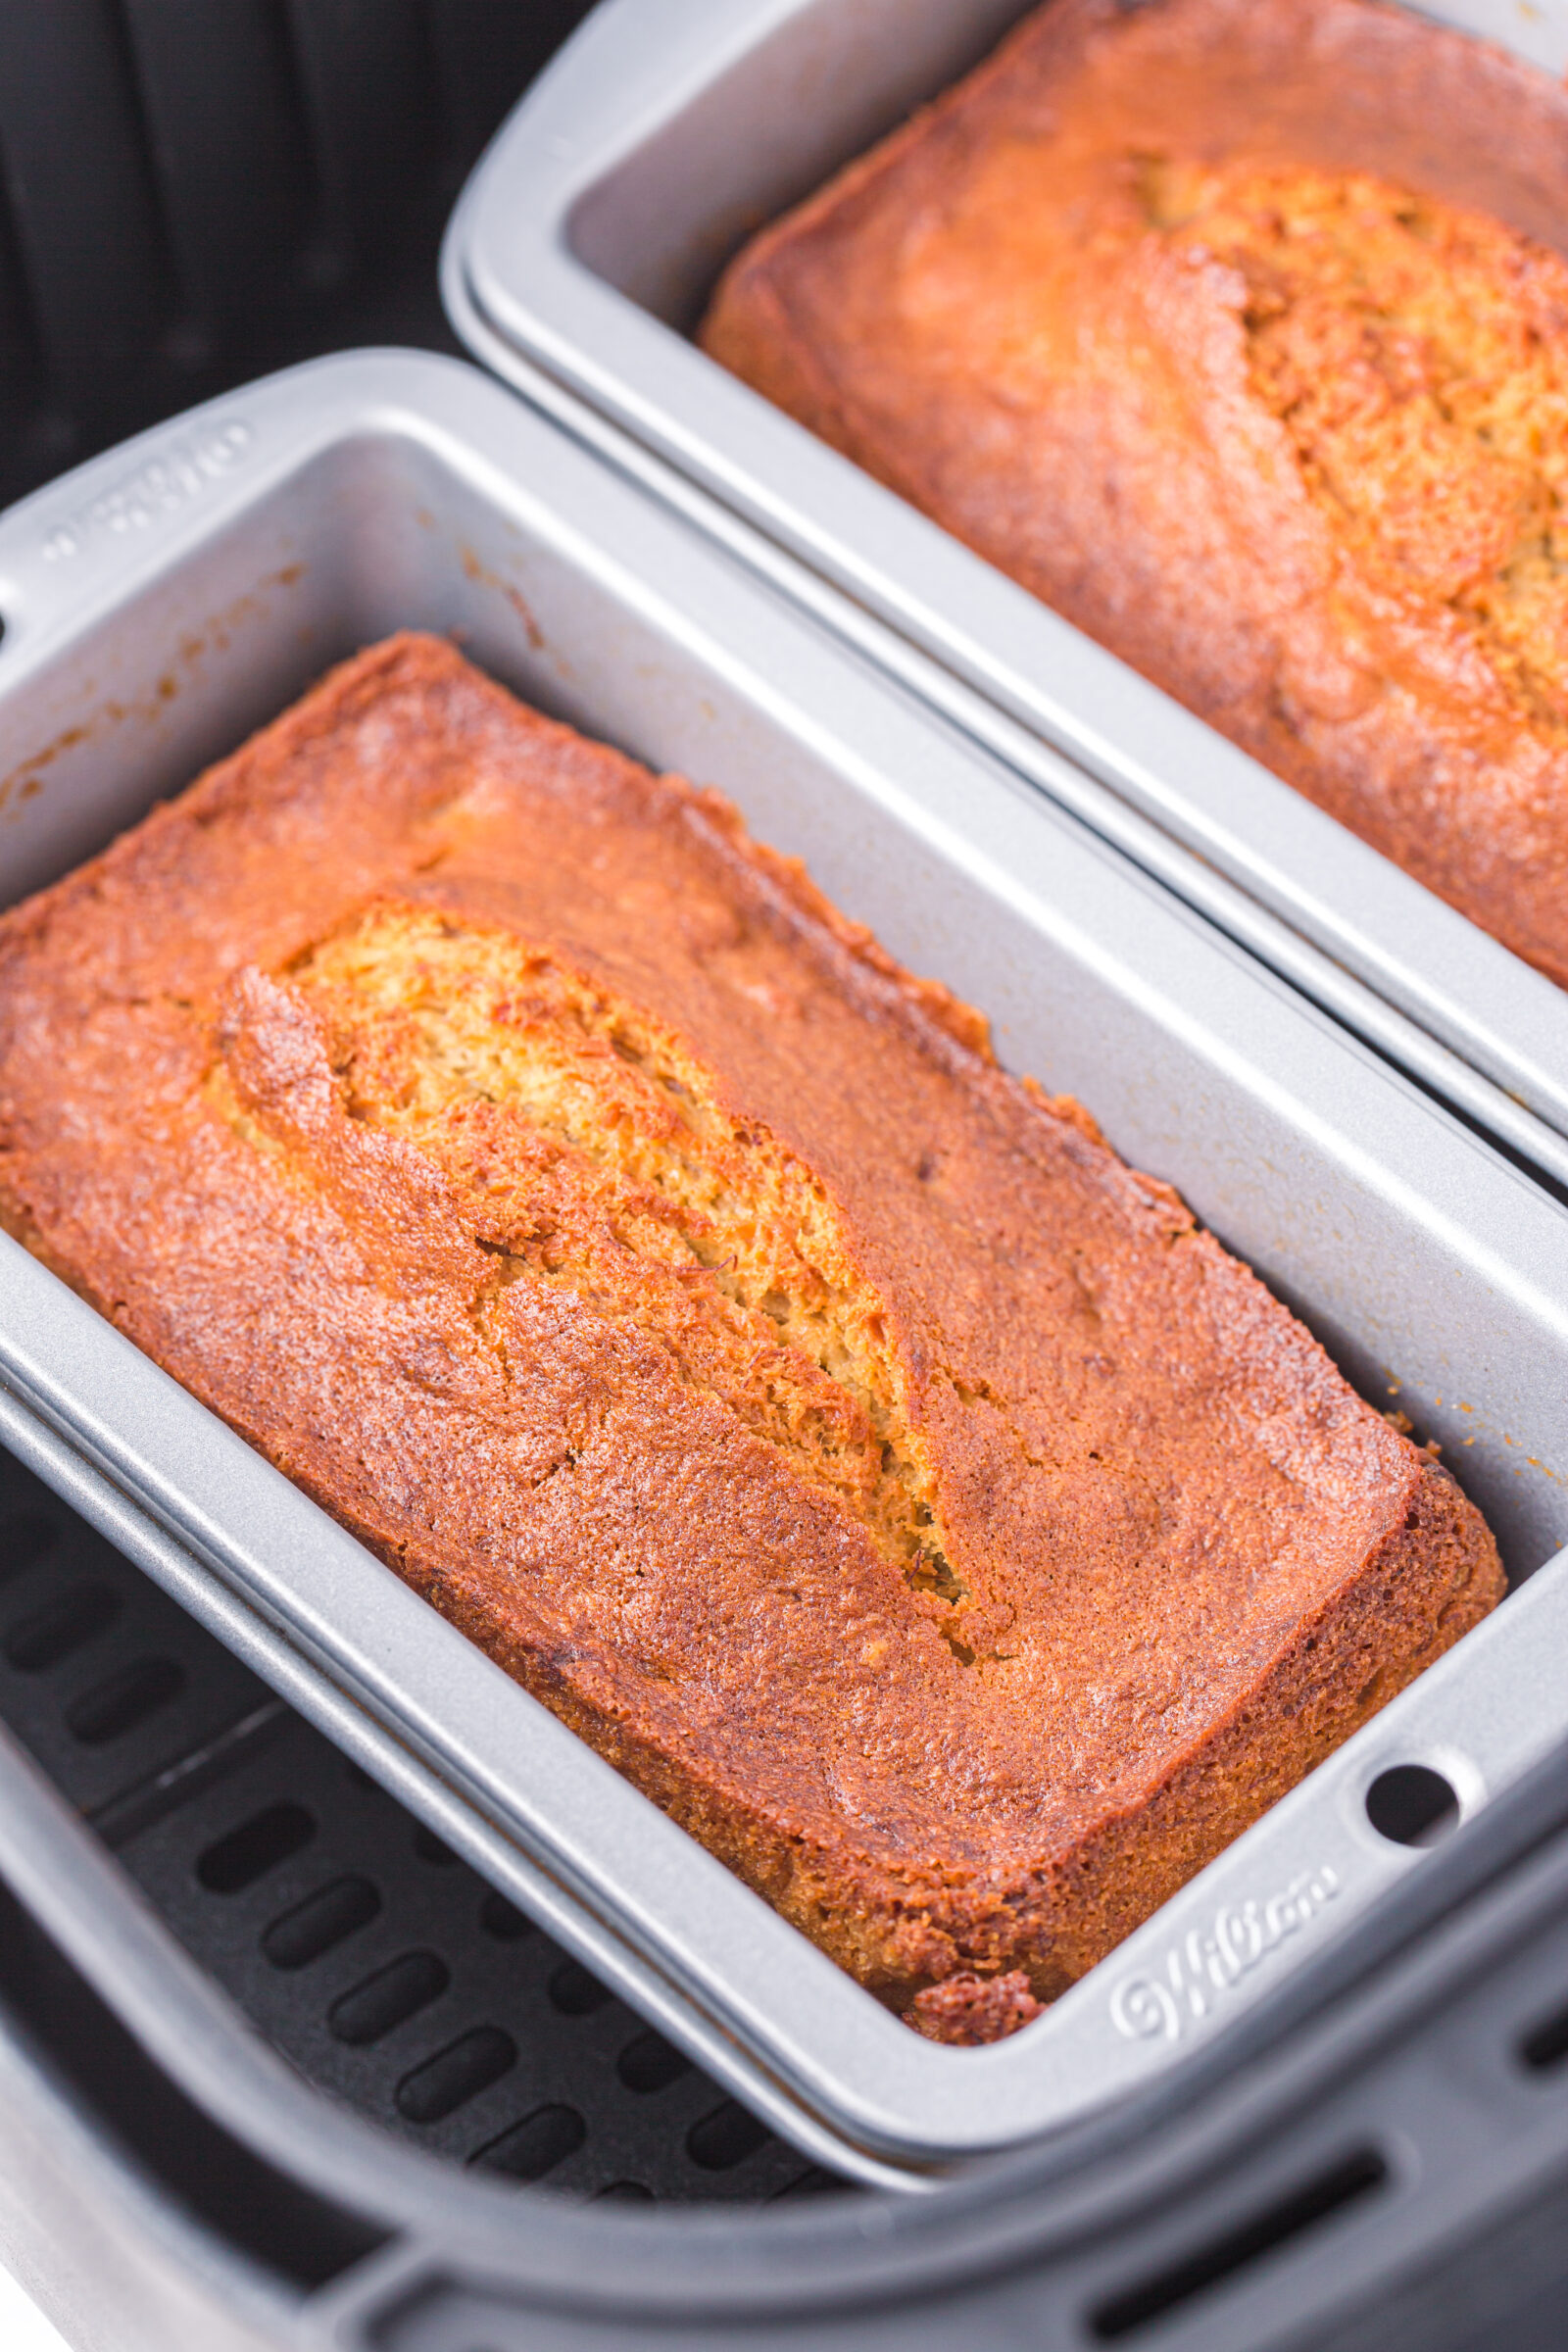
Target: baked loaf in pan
{"points": [[1232, 329], [903, 1493]]}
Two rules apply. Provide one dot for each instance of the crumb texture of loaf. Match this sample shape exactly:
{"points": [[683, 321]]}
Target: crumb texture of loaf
{"points": [[903, 1493], [1236, 330]]}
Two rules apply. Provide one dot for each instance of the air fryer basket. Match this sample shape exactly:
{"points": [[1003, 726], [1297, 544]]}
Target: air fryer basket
{"points": [[1379, 2160], [192, 191]]}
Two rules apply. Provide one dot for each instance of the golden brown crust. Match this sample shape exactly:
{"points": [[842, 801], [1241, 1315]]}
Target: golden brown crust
{"points": [[967, 2010], [900, 1489], [1232, 329]]}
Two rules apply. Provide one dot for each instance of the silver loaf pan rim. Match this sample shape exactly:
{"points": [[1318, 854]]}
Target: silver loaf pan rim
{"points": [[162, 600], [659, 136]]}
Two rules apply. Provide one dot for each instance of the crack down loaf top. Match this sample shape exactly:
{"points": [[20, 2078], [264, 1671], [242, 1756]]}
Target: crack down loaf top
{"points": [[1235, 331], [903, 1493]]}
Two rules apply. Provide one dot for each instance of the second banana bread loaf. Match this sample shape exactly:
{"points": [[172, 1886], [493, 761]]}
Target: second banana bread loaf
{"points": [[1232, 329]]}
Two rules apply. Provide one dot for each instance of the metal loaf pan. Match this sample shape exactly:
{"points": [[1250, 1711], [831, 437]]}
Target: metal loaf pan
{"points": [[164, 600], [580, 257]]}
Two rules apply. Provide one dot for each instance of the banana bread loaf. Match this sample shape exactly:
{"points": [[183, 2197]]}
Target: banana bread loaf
{"points": [[1231, 328], [903, 1493]]}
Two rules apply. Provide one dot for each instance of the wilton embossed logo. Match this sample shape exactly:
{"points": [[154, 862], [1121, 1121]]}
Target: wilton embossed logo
{"points": [[171, 479], [1210, 1961]]}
